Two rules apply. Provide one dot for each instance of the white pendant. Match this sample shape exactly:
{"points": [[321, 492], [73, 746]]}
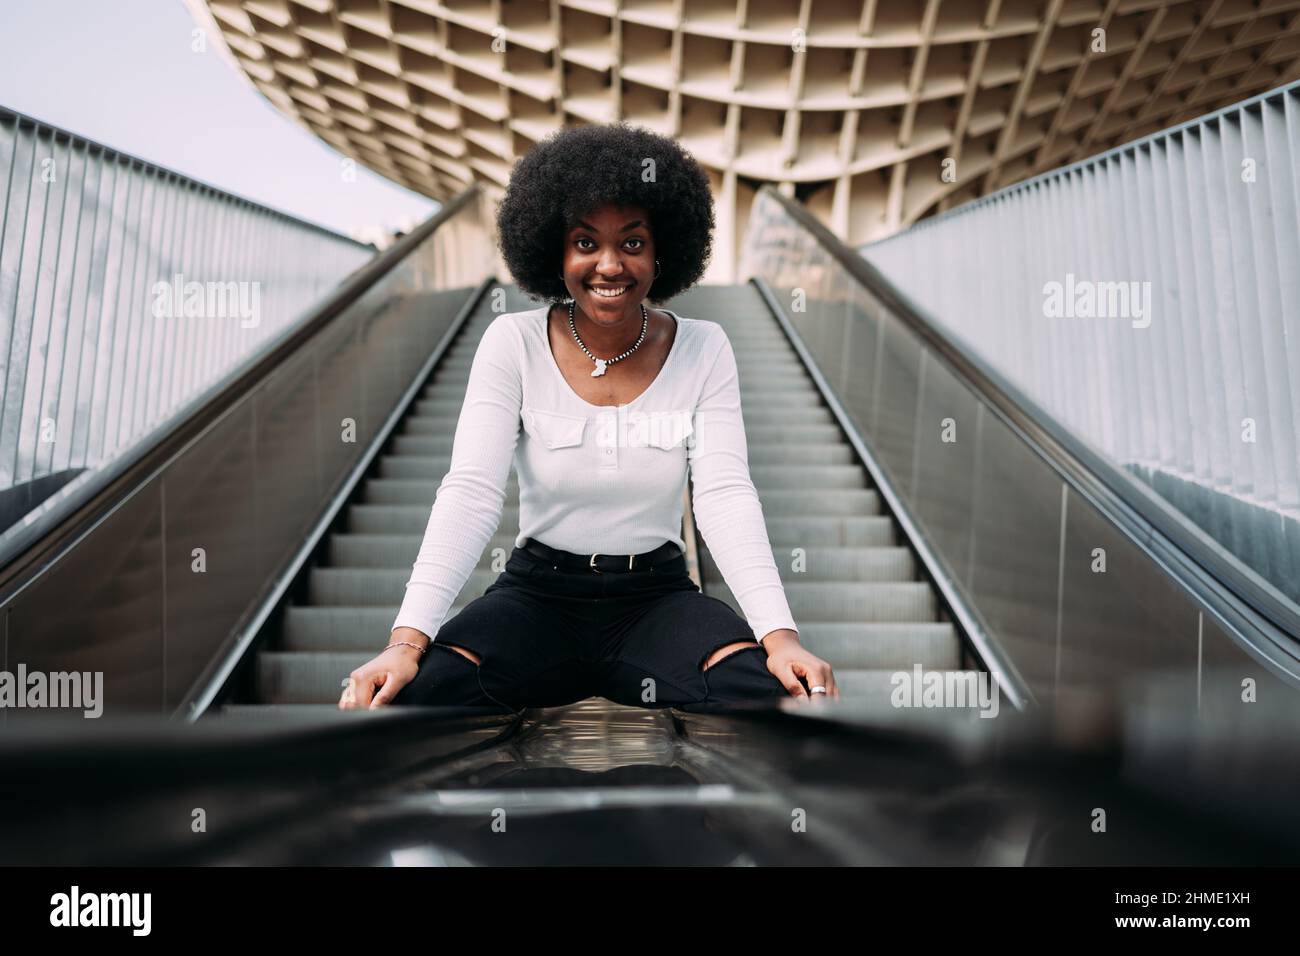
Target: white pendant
{"points": [[600, 368]]}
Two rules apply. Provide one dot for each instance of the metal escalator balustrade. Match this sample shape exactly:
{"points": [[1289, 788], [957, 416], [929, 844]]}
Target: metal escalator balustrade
{"points": [[162, 573], [1148, 299], [99, 337]]}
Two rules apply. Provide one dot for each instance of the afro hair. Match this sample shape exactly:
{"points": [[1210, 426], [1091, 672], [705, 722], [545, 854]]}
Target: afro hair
{"points": [[578, 169]]}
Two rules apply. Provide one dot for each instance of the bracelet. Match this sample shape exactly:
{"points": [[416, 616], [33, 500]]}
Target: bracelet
{"points": [[408, 644]]}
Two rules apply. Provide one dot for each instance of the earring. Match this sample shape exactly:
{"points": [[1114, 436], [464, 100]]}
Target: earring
{"points": [[657, 269]]}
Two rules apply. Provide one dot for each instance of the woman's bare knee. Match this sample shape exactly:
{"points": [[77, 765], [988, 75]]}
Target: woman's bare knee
{"points": [[725, 651], [464, 653]]}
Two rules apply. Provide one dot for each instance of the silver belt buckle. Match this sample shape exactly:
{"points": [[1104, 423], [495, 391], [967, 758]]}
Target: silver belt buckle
{"points": [[631, 559]]}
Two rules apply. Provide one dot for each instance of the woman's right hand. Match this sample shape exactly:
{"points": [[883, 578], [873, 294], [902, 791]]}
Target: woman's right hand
{"points": [[376, 682]]}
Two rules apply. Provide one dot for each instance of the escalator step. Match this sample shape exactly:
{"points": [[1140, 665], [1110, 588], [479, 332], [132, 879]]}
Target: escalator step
{"points": [[850, 600], [825, 564]]}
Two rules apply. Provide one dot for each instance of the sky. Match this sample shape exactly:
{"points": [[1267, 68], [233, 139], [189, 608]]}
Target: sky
{"points": [[124, 73]]}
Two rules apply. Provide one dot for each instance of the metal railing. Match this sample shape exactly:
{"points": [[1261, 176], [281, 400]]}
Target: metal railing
{"points": [[165, 565], [1149, 300], [126, 290], [1063, 571]]}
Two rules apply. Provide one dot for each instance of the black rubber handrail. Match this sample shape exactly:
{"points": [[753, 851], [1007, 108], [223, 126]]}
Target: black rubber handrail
{"points": [[1254, 611], [27, 548]]}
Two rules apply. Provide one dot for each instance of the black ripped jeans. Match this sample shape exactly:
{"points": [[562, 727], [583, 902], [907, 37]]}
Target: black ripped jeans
{"points": [[547, 637]]}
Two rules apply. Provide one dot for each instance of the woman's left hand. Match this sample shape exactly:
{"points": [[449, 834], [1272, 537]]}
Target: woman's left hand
{"points": [[789, 661]]}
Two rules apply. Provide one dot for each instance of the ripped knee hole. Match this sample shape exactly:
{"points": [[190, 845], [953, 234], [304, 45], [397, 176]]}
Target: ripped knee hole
{"points": [[727, 650], [464, 653]]}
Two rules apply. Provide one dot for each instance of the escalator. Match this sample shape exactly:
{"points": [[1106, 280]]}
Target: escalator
{"points": [[864, 547], [858, 597]]}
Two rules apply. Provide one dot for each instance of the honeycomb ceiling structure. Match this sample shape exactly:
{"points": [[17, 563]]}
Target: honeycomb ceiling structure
{"points": [[853, 106]]}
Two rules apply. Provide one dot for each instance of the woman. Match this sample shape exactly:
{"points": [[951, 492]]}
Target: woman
{"points": [[614, 402]]}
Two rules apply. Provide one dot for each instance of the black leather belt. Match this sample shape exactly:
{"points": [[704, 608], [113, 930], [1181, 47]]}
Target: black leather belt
{"points": [[604, 563]]}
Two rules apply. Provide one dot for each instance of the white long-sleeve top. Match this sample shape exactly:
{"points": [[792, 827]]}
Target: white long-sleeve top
{"points": [[596, 479]]}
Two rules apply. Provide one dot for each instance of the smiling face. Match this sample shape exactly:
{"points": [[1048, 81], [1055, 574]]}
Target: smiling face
{"points": [[609, 263]]}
